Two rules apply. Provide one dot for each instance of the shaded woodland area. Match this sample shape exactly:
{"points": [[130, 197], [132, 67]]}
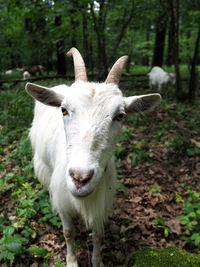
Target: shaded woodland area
{"points": [[158, 155], [152, 33]]}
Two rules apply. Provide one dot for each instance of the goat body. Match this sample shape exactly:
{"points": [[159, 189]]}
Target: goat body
{"points": [[73, 135], [159, 78], [9, 72], [33, 69]]}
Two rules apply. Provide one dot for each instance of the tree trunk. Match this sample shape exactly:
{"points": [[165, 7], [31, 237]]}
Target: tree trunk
{"points": [[61, 59], [179, 95], [85, 39], [174, 17], [99, 27], [145, 60], [193, 74], [159, 41], [91, 53], [170, 59]]}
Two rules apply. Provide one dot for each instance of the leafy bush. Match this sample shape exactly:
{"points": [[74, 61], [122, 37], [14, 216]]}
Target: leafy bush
{"points": [[191, 218], [11, 244], [179, 144]]}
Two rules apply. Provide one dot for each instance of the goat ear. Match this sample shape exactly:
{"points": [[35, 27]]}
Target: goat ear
{"points": [[142, 103], [44, 95]]}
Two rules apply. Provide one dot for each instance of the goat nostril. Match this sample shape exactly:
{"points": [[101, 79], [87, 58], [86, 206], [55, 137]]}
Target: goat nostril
{"points": [[81, 177], [87, 176], [71, 173], [91, 172]]}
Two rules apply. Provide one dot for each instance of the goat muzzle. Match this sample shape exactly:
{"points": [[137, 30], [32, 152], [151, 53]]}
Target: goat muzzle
{"points": [[81, 177]]}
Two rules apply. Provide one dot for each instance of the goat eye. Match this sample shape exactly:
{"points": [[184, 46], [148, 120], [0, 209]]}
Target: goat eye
{"points": [[119, 117], [64, 111]]}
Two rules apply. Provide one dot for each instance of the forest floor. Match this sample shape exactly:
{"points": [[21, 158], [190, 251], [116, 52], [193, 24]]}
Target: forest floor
{"points": [[158, 162]]}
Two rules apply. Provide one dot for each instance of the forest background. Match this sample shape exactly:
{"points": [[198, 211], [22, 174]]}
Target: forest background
{"points": [[158, 155], [152, 33]]}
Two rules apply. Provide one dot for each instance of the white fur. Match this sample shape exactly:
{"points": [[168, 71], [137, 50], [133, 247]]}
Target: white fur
{"points": [[84, 139], [8, 72], [51, 161], [26, 75], [159, 78]]}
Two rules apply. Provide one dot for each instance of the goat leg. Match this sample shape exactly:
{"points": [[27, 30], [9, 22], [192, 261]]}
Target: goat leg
{"points": [[96, 254]]}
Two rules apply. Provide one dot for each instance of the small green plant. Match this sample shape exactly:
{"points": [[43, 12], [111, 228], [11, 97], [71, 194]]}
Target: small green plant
{"points": [[6, 184], [11, 244], [141, 149], [38, 252], [191, 218], [160, 223], [122, 187], [155, 189], [60, 263], [127, 134], [134, 159], [45, 207], [179, 144], [120, 151], [179, 198]]}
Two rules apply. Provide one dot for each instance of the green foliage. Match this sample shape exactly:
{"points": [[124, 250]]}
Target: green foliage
{"points": [[134, 159], [126, 136], [38, 252], [191, 218], [180, 145], [179, 198], [155, 189], [121, 186], [141, 151], [60, 263], [5, 185], [29, 201], [161, 224], [46, 210], [29, 33], [16, 115], [10, 244]]}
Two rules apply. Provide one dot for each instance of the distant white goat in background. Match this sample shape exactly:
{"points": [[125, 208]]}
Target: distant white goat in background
{"points": [[73, 135], [9, 72], [159, 78], [26, 75]]}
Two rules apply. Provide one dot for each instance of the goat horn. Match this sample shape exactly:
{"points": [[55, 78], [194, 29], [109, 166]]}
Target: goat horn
{"points": [[79, 65], [116, 71]]}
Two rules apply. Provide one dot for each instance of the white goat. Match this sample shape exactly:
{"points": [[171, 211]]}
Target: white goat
{"points": [[26, 75], [73, 138], [159, 78], [9, 72]]}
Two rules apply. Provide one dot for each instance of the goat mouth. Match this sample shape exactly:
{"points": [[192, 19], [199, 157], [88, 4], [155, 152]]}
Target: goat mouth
{"points": [[81, 193]]}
